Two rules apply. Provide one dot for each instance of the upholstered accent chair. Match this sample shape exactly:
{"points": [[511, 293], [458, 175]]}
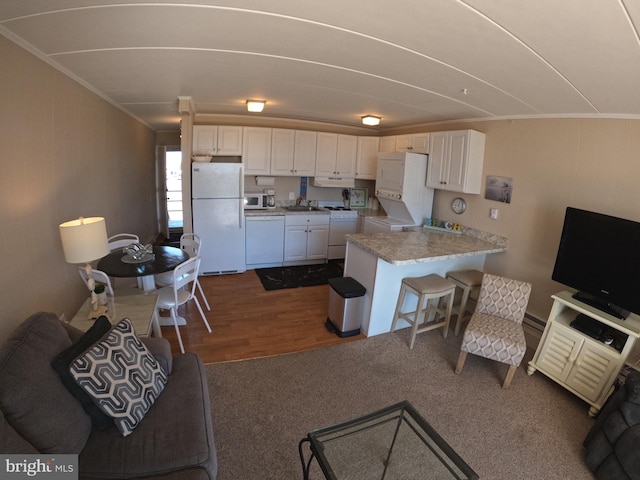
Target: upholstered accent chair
{"points": [[495, 329]]}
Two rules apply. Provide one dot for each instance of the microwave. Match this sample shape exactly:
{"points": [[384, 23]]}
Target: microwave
{"points": [[255, 201]]}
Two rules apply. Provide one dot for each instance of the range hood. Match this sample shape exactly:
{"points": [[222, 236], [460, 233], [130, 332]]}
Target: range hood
{"points": [[334, 182]]}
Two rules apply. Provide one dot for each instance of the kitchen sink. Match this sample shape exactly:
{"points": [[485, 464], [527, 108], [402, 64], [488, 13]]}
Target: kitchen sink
{"points": [[302, 208]]}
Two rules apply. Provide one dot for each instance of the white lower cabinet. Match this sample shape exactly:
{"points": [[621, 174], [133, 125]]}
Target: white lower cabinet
{"points": [[306, 239], [580, 363]]}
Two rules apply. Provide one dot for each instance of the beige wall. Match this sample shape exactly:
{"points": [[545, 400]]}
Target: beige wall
{"points": [[65, 153], [555, 163]]}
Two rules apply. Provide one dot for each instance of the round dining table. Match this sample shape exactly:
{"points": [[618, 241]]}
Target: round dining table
{"points": [[165, 259]]}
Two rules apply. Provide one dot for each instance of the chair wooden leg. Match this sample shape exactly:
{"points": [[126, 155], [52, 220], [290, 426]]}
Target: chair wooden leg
{"points": [[461, 359], [462, 310], [447, 315], [510, 373], [396, 314]]}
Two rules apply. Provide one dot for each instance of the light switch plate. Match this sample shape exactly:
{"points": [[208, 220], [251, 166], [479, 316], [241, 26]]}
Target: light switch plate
{"points": [[494, 213]]}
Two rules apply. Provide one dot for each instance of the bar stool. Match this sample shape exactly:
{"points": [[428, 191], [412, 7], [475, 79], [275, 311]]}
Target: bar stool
{"points": [[469, 281], [430, 288]]}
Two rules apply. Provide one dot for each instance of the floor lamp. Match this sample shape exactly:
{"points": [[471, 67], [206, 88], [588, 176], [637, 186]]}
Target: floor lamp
{"points": [[85, 240]]}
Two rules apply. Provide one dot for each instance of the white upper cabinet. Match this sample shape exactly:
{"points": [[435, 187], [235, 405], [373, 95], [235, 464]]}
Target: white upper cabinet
{"points": [[256, 151], [217, 140], [413, 143], [387, 144], [293, 152], [282, 151], [367, 157], [336, 155], [304, 162], [455, 161]]}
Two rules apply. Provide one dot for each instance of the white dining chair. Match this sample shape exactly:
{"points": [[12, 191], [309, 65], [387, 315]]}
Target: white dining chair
{"points": [[121, 240], [98, 276], [174, 295], [191, 244]]}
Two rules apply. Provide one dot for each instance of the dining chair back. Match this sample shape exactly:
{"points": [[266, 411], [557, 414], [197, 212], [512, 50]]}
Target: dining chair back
{"points": [[180, 292], [190, 243], [121, 240], [98, 276]]}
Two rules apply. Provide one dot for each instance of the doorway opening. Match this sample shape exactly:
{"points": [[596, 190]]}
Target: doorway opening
{"points": [[173, 172], [169, 193]]}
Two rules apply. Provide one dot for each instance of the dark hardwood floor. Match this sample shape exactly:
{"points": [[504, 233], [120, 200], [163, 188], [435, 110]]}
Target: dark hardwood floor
{"points": [[249, 322]]}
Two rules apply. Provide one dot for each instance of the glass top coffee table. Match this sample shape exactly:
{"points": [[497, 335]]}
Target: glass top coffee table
{"points": [[391, 444]]}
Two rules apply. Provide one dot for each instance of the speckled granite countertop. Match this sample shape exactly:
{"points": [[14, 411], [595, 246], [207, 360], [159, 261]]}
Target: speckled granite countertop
{"points": [[281, 211], [421, 245]]}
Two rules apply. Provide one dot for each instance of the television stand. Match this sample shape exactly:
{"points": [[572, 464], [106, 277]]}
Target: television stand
{"points": [[600, 304], [584, 365]]}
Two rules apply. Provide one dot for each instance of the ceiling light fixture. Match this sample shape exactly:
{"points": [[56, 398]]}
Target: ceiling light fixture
{"points": [[371, 120], [255, 105]]}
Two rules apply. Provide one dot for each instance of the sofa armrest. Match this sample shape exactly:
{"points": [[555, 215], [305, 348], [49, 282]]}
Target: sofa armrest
{"points": [[161, 350]]}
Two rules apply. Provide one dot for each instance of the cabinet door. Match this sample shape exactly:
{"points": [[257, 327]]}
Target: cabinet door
{"points": [[387, 144], [458, 155], [326, 154], [304, 163], [593, 370], [437, 166], [317, 241], [403, 143], [204, 139], [256, 151], [229, 140], [346, 155], [559, 352], [420, 142], [367, 159], [295, 243], [282, 151]]}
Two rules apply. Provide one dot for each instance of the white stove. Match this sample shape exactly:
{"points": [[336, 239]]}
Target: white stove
{"points": [[342, 221]]}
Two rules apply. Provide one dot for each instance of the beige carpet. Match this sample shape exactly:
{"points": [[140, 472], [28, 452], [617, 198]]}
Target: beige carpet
{"points": [[263, 407]]}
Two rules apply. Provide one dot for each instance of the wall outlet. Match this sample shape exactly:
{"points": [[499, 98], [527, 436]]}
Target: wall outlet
{"points": [[494, 213], [292, 195]]}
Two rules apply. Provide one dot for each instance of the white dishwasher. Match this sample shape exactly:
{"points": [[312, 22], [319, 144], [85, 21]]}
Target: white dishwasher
{"points": [[264, 241]]}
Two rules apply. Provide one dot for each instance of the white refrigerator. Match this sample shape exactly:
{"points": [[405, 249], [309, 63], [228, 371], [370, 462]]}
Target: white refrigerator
{"points": [[217, 192]]}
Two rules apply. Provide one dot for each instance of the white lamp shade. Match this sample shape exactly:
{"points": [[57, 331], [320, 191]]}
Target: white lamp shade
{"points": [[84, 240]]}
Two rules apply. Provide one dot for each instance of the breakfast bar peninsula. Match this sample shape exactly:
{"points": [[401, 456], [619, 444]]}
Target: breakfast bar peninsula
{"points": [[379, 261]]}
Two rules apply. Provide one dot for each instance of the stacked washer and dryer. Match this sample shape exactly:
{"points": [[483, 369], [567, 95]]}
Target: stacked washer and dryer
{"points": [[402, 192]]}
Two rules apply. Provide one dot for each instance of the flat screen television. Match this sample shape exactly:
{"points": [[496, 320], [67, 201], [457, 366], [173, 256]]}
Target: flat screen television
{"points": [[599, 255]]}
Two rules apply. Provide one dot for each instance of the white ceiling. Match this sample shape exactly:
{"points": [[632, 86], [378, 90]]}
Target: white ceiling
{"points": [[409, 61]]}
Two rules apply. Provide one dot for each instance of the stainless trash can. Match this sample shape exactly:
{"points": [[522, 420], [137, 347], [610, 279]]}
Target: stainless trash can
{"points": [[345, 306]]}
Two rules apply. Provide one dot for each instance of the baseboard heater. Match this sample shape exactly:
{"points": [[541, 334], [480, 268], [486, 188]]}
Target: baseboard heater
{"points": [[534, 322]]}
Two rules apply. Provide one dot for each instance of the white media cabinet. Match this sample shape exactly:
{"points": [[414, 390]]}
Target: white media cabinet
{"points": [[580, 363]]}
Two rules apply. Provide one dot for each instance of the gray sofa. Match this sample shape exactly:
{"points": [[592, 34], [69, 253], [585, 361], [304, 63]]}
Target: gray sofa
{"points": [[39, 415]]}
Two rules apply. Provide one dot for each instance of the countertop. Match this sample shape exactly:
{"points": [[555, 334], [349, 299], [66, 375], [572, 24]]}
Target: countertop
{"points": [[421, 245], [362, 212]]}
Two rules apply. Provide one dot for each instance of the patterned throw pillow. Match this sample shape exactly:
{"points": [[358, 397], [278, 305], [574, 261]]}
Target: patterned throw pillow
{"points": [[121, 376]]}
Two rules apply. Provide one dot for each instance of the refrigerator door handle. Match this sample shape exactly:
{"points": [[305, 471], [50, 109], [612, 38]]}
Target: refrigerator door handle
{"points": [[240, 213]]}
